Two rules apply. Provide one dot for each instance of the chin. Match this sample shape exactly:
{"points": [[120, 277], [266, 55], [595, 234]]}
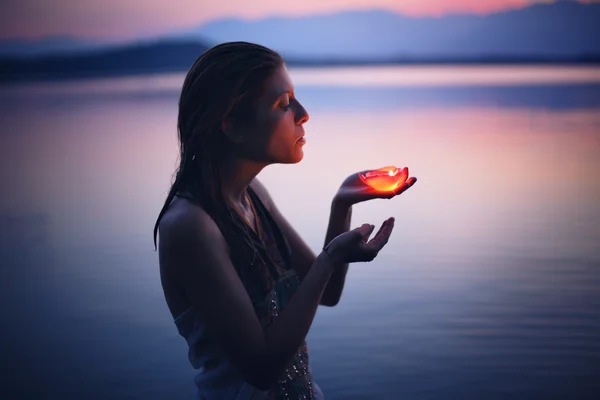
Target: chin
{"points": [[297, 156], [292, 157]]}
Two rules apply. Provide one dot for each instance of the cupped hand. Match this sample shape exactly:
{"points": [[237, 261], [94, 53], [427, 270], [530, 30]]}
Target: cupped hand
{"points": [[355, 246], [354, 190]]}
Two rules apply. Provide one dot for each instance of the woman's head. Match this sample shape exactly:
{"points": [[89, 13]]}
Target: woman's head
{"points": [[232, 103], [270, 128], [237, 100]]}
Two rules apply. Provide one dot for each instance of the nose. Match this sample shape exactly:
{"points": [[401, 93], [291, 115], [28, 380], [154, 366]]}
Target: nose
{"points": [[301, 115]]}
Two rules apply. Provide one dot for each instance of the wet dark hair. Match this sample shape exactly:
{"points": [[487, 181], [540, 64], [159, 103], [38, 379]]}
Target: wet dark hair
{"points": [[221, 85]]}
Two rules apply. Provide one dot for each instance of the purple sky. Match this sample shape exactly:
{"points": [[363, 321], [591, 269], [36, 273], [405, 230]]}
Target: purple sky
{"points": [[128, 19]]}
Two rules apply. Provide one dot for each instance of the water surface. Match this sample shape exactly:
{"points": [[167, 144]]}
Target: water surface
{"points": [[488, 289]]}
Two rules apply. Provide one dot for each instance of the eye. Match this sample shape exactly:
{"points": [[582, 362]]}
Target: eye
{"points": [[286, 103]]}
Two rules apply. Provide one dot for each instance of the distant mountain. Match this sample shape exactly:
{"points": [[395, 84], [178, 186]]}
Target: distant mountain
{"points": [[557, 32], [560, 29], [47, 45], [161, 56]]}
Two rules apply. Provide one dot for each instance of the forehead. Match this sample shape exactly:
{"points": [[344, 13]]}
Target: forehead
{"points": [[278, 83]]}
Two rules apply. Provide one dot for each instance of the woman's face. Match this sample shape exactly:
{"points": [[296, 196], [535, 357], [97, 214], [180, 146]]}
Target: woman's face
{"points": [[277, 133]]}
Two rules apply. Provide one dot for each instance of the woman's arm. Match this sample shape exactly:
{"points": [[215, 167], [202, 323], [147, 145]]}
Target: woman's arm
{"points": [[193, 249], [340, 218], [302, 256], [351, 191]]}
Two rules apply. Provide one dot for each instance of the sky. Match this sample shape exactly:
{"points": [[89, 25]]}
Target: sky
{"points": [[121, 20]]}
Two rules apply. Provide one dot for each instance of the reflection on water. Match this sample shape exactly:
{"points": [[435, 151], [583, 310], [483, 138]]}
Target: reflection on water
{"points": [[489, 287]]}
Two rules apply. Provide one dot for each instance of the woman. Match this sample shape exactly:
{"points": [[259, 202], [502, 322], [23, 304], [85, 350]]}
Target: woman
{"points": [[241, 284]]}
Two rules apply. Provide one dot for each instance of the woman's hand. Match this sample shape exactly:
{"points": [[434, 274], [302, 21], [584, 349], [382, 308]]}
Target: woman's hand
{"points": [[353, 190], [355, 246]]}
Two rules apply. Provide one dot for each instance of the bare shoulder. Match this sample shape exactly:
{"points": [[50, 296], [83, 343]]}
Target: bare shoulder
{"points": [[186, 230], [183, 220]]}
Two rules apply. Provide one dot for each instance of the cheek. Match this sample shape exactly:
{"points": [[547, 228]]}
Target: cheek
{"points": [[282, 134], [262, 134], [274, 135], [284, 127]]}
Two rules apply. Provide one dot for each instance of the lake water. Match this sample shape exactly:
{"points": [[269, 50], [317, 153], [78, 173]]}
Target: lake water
{"points": [[488, 289]]}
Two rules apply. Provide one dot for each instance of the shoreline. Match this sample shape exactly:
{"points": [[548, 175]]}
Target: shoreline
{"points": [[31, 71]]}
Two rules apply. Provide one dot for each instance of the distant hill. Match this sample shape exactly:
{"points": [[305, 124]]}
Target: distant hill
{"points": [[559, 29], [163, 56], [48, 45], [557, 32]]}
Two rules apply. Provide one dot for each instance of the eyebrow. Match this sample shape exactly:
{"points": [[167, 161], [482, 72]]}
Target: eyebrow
{"points": [[287, 91]]}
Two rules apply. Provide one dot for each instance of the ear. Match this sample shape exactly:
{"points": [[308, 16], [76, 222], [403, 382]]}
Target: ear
{"points": [[230, 130]]}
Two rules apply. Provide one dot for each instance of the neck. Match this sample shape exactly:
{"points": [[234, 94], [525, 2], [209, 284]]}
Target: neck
{"points": [[237, 174]]}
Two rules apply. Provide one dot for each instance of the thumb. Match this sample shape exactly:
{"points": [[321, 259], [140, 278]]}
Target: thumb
{"points": [[364, 231]]}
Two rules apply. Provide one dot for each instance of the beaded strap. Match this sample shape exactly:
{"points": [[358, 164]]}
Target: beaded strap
{"points": [[297, 369]]}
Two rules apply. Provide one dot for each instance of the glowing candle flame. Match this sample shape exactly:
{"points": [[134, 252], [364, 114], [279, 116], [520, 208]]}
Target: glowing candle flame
{"points": [[385, 179]]}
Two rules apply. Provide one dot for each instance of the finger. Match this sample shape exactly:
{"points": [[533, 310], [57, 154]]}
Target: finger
{"points": [[383, 236], [368, 234], [404, 187], [383, 227]]}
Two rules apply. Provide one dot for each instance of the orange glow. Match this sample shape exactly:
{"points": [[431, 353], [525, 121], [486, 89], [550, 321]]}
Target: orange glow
{"points": [[385, 179]]}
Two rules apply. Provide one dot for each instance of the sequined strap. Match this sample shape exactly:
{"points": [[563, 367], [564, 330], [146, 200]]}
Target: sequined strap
{"points": [[296, 382]]}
